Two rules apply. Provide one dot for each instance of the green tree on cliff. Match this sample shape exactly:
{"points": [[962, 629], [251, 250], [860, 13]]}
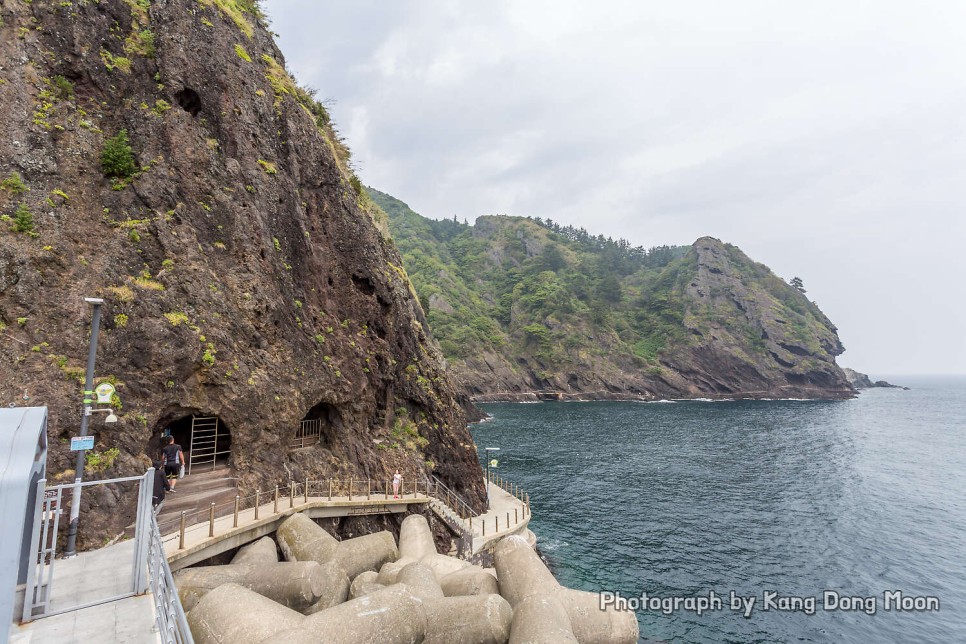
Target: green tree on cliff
{"points": [[796, 283]]}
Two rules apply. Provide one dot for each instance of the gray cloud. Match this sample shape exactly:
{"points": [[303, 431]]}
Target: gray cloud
{"points": [[823, 138]]}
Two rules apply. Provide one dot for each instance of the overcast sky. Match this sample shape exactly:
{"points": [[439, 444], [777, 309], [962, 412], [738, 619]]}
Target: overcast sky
{"points": [[826, 139]]}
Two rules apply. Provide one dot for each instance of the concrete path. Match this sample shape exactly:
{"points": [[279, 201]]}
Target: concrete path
{"points": [[126, 621], [90, 577], [507, 515]]}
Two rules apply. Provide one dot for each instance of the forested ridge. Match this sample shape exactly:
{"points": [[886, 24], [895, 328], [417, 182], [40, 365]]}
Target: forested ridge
{"points": [[525, 304]]}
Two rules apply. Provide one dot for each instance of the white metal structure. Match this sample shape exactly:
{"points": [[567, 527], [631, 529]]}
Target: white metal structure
{"points": [[204, 443]]}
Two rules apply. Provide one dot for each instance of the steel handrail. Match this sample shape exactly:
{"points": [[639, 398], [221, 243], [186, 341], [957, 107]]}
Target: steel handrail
{"points": [[170, 619]]}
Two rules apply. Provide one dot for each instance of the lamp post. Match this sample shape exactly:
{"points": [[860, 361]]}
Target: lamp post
{"points": [[487, 451], [71, 550]]}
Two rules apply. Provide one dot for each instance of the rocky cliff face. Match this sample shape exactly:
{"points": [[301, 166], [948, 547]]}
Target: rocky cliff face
{"points": [[242, 278], [525, 309], [750, 334]]}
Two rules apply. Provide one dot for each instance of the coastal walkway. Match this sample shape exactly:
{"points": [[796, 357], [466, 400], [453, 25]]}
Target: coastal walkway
{"points": [[102, 573], [205, 534], [92, 598]]}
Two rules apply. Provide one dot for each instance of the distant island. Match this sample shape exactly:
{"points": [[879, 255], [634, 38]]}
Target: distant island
{"points": [[528, 309]]}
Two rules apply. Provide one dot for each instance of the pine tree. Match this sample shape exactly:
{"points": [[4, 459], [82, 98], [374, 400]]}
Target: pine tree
{"points": [[117, 160], [23, 219], [796, 283]]}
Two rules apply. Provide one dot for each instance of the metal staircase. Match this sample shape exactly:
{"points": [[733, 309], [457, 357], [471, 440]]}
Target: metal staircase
{"points": [[453, 511]]}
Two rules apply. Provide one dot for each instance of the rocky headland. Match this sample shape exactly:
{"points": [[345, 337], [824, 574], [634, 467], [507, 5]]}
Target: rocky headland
{"points": [[525, 309], [862, 381]]}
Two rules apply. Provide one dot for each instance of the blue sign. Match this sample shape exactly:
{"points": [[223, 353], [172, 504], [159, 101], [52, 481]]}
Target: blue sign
{"points": [[78, 443]]}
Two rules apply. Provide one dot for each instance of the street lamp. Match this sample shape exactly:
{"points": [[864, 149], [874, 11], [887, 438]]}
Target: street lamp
{"points": [[111, 418], [71, 550], [487, 450]]}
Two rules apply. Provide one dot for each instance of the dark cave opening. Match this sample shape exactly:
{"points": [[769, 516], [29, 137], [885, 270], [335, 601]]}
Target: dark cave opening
{"points": [[205, 440], [320, 426], [189, 101]]}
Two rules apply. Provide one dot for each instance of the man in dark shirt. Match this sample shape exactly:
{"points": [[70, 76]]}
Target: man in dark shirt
{"points": [[161, 485], [173, 460]]}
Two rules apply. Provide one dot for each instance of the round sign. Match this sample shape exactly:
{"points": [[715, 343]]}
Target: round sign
{"points": [[494, 463], [104, 392]]}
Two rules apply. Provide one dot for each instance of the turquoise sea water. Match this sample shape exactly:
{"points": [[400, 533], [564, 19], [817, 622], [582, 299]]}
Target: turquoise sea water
{"points": [[857, 497]]}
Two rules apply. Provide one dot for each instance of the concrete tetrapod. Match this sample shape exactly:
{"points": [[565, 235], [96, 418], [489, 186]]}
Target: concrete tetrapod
{"points": [[415, 538], [442, 565], [541, 619], [231, 613], [262, 551], [522, 573], [390, 570], [368, 552], [480, 619], [364, 584], [420, 581], [591, 625], [469, 581], [296, 585], [389, 616], [336, 587], [301, 539]]}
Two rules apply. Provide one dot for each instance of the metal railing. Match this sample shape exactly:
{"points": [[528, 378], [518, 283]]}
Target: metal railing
{"points": [[44, 555], [170, 619], [439, 490], [280, 498], [308, 433], [449, 506], [504, 520]]}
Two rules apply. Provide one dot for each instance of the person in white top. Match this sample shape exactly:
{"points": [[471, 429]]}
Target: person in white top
{"points": [[396, 482]]}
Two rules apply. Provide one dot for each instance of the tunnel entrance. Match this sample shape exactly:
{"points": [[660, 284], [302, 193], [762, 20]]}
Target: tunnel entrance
{"points": [[205, 441], [319, 427]]}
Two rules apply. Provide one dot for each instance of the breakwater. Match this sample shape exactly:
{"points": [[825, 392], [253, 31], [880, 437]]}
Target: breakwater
{"points": [[373, 589]]}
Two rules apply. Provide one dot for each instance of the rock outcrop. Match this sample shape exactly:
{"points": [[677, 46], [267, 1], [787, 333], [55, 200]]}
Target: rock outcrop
{"points": [[159, 156], [862, 381]]}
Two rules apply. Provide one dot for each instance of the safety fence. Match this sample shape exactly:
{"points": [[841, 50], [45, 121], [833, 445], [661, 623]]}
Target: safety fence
{"points": [[170, 620], [268, 503], [355, 493], [57, 585]]}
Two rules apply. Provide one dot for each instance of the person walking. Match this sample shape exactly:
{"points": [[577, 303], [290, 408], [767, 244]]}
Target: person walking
{"points": [[161, 486], [396, 482], [173, 461]]}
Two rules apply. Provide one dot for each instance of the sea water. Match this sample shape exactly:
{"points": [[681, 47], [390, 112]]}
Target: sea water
{"points": [[754, 521]]}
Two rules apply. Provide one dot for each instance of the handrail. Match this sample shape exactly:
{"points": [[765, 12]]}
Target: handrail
{"points": [[333, 489], [449, 506], [451, 495], [170, 619]]}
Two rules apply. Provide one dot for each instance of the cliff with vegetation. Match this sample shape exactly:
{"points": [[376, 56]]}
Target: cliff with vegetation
{"points": [[158, 155], [527, 309]]}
